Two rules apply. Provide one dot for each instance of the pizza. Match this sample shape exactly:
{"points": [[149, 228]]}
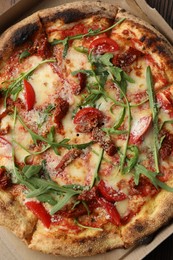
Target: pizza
{"points": [[86, 129]]}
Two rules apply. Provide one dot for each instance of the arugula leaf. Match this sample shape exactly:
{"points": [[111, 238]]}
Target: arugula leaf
{"points": [[132, 161], [30, 170], [81, 49], [62, 202], [96, 176], [113, 129], [105, 59], [154, 109], [24, 54]]}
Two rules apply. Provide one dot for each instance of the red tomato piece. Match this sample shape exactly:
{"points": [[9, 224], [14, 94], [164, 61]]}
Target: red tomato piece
{"points": [[109, 193], [87, 118], [139, 129], [29, 95], [164, 100], [111, 210], [103, 45], [127, 217], [39, 210]]}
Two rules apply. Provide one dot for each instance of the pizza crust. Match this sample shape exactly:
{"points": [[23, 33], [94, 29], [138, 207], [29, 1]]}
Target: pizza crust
{"points": [[16, 217], [153, 215], [85, 243], [153, 42], [18, 34], [72, 12]]}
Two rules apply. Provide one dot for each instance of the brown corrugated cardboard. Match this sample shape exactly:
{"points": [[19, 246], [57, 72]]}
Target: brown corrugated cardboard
{"points": [[11, 247]]}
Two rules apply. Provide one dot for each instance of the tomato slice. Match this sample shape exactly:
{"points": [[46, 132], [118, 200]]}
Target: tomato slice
{"points": [[38, 209], [164, 100], [109, 193], [103, 45], [87, 112], [111, 210], [87, 118], [139, 128], [29, 95]]}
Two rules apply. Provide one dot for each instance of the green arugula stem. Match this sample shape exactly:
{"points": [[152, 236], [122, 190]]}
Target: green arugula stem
{"points": [[123, 157], [96, 176], [86, 227], [62, 203], [154, 109]]}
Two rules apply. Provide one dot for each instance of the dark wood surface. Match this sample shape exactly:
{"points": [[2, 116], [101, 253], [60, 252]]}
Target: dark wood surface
{"points": [[165, 7]]}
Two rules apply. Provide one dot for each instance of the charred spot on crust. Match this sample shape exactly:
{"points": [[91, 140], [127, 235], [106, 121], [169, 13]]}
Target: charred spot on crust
{"points": [[123, 10], [139, 228], [160, 48], [68, 16], [146, 240], [143, 38], [22, 34]]}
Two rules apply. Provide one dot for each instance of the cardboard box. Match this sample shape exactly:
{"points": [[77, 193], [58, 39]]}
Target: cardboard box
{"points": [[11, 247]]}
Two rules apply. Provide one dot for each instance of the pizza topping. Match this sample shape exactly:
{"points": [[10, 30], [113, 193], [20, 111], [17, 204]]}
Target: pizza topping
{"points": [[24, 54], [109, 193], [49, 141], [164, 100], [29, 95], [4, 179], [82, 83], [127, 58], [139, 128], [111, 210], [87, 118], [103, 45], [39, 210], [154, 108], [167, 144], [67, 159], [61, 109], [105, 142], [144, 188]]}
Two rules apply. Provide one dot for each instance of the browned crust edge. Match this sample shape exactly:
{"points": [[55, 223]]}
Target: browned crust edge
{"points": [[86, 243], [153, 42], [18, 34], [155, 214], [16, 217], [72, 12]]}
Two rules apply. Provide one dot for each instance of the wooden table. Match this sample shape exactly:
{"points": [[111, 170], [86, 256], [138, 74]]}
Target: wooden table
{"points": [[165, 7]]}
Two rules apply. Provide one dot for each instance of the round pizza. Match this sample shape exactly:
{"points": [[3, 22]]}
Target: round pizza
{"points": [[86, 129]]}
